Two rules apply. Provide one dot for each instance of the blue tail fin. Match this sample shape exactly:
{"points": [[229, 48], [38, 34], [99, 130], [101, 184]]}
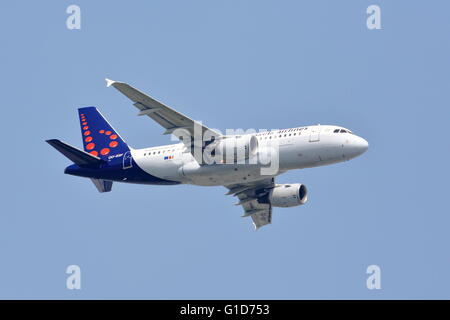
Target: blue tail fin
{"points": [[99, 138]]}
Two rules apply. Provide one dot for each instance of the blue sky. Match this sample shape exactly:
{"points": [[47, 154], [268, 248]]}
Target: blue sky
{"points": [[231, 64]]}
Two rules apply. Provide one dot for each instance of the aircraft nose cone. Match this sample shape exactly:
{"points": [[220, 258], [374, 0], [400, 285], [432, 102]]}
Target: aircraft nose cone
{"points": [[359, 146], [356, 147]]}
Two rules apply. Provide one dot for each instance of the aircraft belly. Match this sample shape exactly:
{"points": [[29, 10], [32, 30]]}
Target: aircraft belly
{"points": [[220, 174]]}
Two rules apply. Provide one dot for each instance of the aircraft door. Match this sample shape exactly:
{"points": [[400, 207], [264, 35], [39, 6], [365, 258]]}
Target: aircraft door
{"points": [[314, 135], [127, 160]]}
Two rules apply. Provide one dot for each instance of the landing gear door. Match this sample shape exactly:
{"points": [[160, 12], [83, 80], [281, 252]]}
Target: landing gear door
{"points": [[314, 135], [127, 160]]}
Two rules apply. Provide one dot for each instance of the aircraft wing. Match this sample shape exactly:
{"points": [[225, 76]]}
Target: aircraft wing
{"points": [[167, 117], [253, 198]]}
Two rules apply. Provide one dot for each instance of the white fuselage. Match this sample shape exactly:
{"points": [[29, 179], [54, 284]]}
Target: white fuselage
{"points": [[298, 148]]}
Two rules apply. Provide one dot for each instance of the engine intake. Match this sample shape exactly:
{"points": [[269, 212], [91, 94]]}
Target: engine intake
{"points": [[288, 195]]}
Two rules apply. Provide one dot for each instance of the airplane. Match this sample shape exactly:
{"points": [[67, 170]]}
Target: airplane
{"points": [[106, 157]]}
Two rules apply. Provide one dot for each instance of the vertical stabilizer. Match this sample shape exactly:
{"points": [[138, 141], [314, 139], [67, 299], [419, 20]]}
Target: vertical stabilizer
{"points": [[99, 137]]}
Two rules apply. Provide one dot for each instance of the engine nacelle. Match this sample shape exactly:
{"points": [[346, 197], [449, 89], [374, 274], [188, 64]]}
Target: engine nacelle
{"points": [[288, 195], [233, 148], [246, 146]]}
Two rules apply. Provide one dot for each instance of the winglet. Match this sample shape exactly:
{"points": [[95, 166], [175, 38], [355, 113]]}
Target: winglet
{"points": [[109, 82]]}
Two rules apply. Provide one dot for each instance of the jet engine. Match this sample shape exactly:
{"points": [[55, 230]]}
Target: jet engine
{"points": [[232, 149], [288, 195], [245, 146]]}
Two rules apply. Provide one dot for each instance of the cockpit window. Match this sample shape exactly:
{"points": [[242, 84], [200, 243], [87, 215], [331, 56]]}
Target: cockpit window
{"points": [[342, 131]]}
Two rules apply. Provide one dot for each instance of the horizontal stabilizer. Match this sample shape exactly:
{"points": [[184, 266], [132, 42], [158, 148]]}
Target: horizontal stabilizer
{"points": [[102, 185], [77, 156]]}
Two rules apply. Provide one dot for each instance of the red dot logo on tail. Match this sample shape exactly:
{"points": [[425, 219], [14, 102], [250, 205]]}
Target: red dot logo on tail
{"points": [[104, 151]]}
